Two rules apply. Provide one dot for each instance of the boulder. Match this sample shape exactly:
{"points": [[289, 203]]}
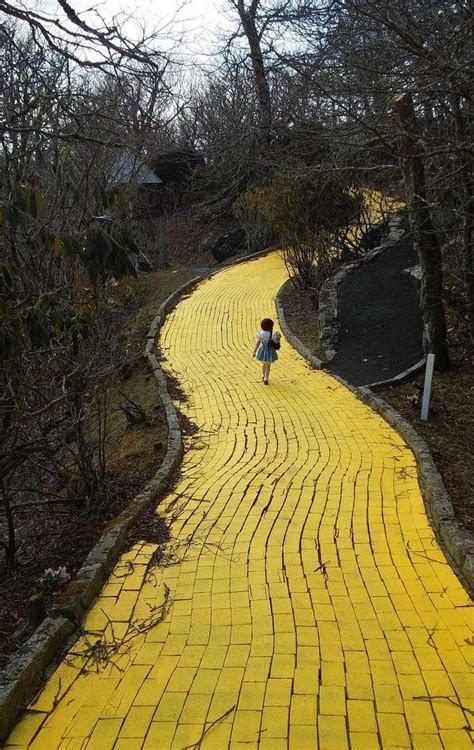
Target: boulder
{"points": [[373, 236], [229, 245]]}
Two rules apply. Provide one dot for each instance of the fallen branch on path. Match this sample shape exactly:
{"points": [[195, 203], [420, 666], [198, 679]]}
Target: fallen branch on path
{"points": [[197, 745]]}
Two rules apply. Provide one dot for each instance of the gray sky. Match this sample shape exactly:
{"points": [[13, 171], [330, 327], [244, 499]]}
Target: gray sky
{"points": [[199, 18]]}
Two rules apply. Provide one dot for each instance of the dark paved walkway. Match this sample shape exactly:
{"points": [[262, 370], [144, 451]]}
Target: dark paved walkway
{"points": [[381, 328]]}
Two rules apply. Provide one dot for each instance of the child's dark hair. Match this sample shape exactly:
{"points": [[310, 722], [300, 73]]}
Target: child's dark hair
{"points": [[266, 324]]}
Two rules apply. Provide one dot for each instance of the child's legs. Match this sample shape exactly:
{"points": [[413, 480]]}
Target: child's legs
{"points": [[266, 370]]}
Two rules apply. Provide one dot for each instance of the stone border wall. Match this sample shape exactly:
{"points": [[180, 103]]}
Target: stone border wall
{"points": [[25, 670], [296, 343], [457, 542]]}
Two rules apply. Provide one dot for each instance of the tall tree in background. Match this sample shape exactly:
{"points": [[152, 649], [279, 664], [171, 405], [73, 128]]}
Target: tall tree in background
{"points": [[425, 237]]}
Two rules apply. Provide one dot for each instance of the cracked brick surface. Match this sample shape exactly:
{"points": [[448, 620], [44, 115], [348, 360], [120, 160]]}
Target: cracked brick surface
{"points": [[310, 604]]}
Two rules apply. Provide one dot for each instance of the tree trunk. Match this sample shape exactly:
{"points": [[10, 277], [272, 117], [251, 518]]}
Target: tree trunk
{"points": [[468, 236], [10, 545], [464, 123], [247, 18], [424, 234]]}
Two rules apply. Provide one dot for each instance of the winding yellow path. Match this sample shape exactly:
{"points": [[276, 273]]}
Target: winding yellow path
{"points": [[311, 606]]}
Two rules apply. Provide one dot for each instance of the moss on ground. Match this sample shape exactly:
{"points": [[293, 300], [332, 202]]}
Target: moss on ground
{"points": [[140, 447]]}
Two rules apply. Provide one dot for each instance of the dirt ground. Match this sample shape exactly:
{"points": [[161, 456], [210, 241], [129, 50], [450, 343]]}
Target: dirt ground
{"points": [[302, 318], [63, 535]]}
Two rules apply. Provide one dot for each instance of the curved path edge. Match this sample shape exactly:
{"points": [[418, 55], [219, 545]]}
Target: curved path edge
{"points": [[457, 541], [296, 343], [26, 670]]}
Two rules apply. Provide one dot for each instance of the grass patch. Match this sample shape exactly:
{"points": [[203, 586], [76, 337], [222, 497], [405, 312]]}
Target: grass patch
{"points": [[139, 447]]}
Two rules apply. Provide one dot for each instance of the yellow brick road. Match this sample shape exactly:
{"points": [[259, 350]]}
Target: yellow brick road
{"points": [[311, 605]]}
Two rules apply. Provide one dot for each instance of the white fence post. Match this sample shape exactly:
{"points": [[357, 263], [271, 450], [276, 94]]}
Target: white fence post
{"points": [[425, 405]]}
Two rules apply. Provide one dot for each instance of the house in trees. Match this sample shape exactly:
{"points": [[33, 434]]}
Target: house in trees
{"points": [[162, 176], [128, 169]]}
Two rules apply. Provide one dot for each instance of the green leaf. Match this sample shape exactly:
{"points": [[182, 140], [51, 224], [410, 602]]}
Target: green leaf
{"points": [[121, 197], [36, 204], [58, 245]]}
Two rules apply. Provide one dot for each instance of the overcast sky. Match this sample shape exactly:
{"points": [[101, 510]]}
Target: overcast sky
{"points": [[200, 19]]}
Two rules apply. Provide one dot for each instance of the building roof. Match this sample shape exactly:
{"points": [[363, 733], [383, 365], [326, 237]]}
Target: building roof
{"points": [[127, 168]]}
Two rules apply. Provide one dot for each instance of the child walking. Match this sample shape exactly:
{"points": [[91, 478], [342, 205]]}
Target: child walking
{"points": [[265, 347]]}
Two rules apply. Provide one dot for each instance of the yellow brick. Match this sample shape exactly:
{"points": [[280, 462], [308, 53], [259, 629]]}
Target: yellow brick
{"points": [[426, 742], [258, 668], [230, 679], [191, 656], [303, 738], [246, 726], [464, 684], [214, 657], [237, 656], [217, 737], [48, 737], [393, 730], [303, 710], [186, 734], [104, 735], [181, 679], [359, 686], [195, 708], [84, 722], [333, 673], [420, 717], [137, 721], [223, 707], [332, 700], [26, 729], [273, 743], [170, 707], [283, 665], [364, 741], [388, 699], [251, 696], [332, 733], [129, 744], [305, 680], [361, 716], [453, 739], [275, 721], [278, 692], [448, 715]]}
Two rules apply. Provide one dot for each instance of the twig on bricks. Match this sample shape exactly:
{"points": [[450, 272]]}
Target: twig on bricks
{"points": [[197, 745]]}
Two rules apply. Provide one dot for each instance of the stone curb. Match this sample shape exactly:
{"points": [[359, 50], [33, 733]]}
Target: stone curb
{"points": [[25, 670], [328, 294], [457, 542], [297, 344]]}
